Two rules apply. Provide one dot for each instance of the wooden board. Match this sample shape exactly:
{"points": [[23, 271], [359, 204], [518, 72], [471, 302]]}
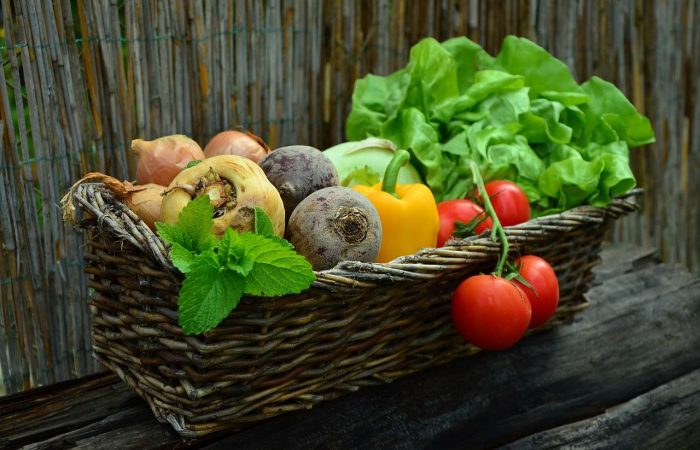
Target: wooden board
{"points": [[625, 374]]}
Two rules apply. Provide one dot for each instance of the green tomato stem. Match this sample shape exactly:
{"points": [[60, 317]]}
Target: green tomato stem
{"points": [[391, 174], [497, 227]]}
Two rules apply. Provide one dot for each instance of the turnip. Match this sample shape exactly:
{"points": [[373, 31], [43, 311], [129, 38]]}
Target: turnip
{"points": [[235, 186], [297, 171], [335, 224], [364, 162]]}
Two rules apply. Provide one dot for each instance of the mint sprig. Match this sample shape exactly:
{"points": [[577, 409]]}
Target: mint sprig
{"points": [[218, 272]]}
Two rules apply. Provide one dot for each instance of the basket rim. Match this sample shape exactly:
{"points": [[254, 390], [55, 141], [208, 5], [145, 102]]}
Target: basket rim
{"points": [[110, 212]]}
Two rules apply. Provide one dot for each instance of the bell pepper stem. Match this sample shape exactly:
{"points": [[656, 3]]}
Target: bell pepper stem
{"points": [[391, 174], [497, 227]]}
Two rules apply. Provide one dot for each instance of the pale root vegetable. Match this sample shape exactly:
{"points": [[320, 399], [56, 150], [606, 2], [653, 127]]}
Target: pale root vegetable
{"points": [[232, 142], [364, 162], [235, 186], [160, 160], [146, 203]]}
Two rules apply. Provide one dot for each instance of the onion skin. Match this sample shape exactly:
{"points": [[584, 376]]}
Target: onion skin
{"points": [[146, 203], [253, 190], [232, 142], [121, 189], [160, 160]]}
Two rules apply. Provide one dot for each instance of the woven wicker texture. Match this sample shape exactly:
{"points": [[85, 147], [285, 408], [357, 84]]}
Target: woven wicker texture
{"points": [[359, 324]]}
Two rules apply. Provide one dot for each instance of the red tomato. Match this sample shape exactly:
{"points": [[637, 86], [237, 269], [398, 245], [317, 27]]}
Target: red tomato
{"points": [[460, 210], [509, 202], [544, 295], [490, 312]]}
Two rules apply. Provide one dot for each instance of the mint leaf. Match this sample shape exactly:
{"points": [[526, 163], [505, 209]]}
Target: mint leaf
{"points": [[263, 224], [181, 257], [193, 163], [283, 242], [208, 294], [174, 235], [277, 269], [232, 255], [196, 219], [264, 227]]}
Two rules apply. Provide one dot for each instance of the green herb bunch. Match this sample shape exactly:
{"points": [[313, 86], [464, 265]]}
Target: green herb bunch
{"points": [[218, 272]]}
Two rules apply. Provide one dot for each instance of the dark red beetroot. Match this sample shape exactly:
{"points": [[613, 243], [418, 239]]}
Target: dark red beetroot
{"points": [[297, 171], [335, 224]]}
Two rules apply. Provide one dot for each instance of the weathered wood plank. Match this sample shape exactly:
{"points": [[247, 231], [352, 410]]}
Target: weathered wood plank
{"points": [[665, 417], [631, 341], [45, 412], [614, 352]]}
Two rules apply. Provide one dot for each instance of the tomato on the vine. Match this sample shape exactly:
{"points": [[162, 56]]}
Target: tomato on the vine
{"points": [[452, 212], [544, 294], [490, 312], [509, 202]]}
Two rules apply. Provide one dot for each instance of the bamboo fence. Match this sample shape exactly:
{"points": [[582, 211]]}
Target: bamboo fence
{"points": [[82, 78]]}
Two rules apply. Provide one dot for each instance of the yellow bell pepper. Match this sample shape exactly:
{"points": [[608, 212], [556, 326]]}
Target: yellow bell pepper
{"points": [[408, 212]]}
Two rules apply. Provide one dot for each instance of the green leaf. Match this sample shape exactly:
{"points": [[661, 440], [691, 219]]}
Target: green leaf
{"points": [[469, 58], [521, 116], [571, 181], [277, 269], [173, 234], [208, 294], [232, 254], [263, 224], [196, 219], [543, 124], [193, 163], [181, 257], [610, 116], [193, 227], [411, 130], [542, 71]]}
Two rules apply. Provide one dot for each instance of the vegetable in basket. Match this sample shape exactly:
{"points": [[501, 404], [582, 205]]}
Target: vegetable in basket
{"points": [[335, 224], [144, 200], [160, 160], [461, 218], [234, 185], [408, 212], [520, 116], [297, 171], [232, 142], [493, 311], [509, 202], [146, 203], [364, 162], [220, 270]]}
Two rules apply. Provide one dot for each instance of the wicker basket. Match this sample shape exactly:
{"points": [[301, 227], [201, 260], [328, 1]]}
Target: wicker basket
{"points": [[359, 324]]}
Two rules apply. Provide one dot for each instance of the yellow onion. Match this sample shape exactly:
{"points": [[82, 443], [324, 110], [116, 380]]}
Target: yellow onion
{"points": [[146, 203], [144, 200], [235, 186], [160, 160], [237, 143]]}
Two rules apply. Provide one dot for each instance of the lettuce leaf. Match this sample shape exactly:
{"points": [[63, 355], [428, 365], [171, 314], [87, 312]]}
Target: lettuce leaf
{"points": [[520, 115]]}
